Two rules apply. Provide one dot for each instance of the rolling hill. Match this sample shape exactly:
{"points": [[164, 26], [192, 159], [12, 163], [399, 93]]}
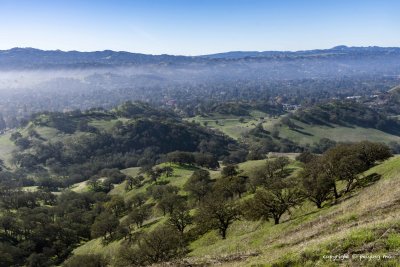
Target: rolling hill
{"points": [[363, 223]]}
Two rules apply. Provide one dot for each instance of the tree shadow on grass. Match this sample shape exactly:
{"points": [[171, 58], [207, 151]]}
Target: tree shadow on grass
{"points": [[150, 224], [367, 181], [288, 171], [302, 132]]}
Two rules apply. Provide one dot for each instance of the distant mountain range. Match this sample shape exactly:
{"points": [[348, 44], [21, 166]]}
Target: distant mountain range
{"points": [[30, 58], [335, 51]]}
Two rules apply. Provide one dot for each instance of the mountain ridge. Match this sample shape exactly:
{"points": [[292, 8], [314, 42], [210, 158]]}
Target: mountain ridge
{"points": [[22, 58]]}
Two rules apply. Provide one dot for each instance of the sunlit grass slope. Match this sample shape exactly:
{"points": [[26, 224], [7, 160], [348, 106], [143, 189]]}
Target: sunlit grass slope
{"points": [[367, 221]]}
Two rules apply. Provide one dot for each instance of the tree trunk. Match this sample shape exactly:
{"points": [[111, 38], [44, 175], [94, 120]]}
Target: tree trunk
{"points": [[335, 191], [223, 234]]}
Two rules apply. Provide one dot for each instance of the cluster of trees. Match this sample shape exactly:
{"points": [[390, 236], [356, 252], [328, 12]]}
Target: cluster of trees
{"points": [[40, 229], [261, 142], [137, 142], [344, 163], [206, 160]]}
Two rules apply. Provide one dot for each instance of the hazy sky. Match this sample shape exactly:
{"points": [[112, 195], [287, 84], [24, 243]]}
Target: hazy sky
{"points": [[193, 27]]}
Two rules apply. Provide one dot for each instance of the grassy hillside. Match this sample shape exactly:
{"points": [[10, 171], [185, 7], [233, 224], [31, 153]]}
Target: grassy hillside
{"points": [[179, 177], [366, 222], [234, 126], [305, 134], [308, 134]]}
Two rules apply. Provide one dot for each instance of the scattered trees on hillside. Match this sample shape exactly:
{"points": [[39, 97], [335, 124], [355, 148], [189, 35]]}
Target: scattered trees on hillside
{"points": [[343, 162], [105, 226], [216, 212], [199, 184], [180, 218], [271, 203], [162, 244], [316, 184], [139, 214]]}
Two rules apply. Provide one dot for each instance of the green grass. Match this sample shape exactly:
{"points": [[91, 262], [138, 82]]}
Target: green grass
{"points": [[30, 188], [119, 189], [178, 178], [231, 125], [389, 170], [393, 241], [313, 133], [80, 187], [96, 246], [105, 125], [307, 134], [47, 132]]}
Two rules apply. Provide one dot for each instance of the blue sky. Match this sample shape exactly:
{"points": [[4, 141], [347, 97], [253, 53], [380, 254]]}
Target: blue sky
{"points": [[194, 27]]}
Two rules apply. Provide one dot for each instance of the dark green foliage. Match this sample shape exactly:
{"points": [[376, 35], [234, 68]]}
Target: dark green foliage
{"points": [[169, 202], [275, 193], [370, 152], [15, 136], [91, 260], [162, 244], [139, 214], [271, 203], [132, 182], [138, 200], [157, 191], [230, 171], [199, 184], [69, 122], [322, 145], [40, 230], [231, 186], [181, 157], [206, 160], [317, 185], [306, 157], [272, 171], [216, 212], [116, 205], [343, 162], [262, 142], [105, 226], [180, 218]]}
